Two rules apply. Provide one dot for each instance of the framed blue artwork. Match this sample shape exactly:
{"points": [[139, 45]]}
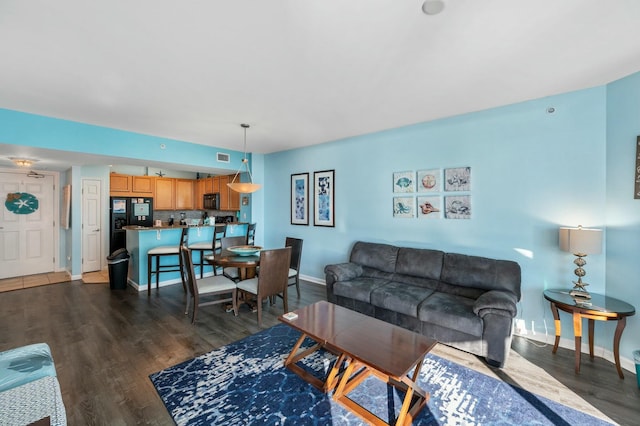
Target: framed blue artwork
{"points": [[323, 198], [300, 199]]}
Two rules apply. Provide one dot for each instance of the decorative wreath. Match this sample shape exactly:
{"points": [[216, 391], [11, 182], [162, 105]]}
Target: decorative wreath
{"points": [[21, 203]]}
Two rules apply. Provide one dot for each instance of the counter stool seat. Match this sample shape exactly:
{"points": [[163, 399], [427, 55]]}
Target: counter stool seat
{"points": [[155, 254]]}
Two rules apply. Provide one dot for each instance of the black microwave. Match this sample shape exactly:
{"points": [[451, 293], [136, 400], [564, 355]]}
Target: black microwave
{"points": [[211, 201]]}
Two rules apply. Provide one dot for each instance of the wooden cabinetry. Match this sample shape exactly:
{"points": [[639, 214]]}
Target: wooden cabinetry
{"points": [[143, 184], [119, 183], [234, 200], [199, 192], [164, 198], [184, 191], [224, 192]]}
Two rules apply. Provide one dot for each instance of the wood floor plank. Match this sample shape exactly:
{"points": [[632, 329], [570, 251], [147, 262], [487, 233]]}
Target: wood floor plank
{"points": [[106, 342]]}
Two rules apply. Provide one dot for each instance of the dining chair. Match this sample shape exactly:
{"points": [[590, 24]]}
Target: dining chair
{"points": [[251, 234], [272, 281], [225, 243], [212, 246], [155, 254], [294, 266], [216, 285]]}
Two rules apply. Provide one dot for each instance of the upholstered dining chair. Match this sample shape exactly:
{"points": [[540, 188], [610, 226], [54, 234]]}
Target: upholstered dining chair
{"points": [[156, 253], [272, 281], [294, 266], [225, 243], [212, 246], [216, 285]]}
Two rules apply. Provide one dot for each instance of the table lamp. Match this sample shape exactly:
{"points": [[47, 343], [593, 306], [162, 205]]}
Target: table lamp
{"points": [[581, 242]]}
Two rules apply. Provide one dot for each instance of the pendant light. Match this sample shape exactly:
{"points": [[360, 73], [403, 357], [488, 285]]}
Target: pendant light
{"points": [[244, 187]]}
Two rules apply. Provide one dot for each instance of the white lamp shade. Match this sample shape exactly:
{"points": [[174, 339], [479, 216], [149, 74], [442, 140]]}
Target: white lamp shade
{"points": [[581, 240]]}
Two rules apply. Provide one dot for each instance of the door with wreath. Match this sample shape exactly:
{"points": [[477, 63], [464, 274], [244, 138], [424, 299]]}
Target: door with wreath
{"points": [[26, 225]]}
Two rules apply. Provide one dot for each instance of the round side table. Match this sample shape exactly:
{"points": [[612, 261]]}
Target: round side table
{"points": [[599, 307]]}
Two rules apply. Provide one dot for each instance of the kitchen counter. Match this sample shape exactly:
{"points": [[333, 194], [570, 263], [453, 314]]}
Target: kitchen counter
{"points": [[140, 240]]}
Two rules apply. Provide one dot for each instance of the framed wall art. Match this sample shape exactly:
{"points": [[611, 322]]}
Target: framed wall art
{"points": [[430, 207], [429, 180], [458, 207], [323, 198], [404, 206], [300, 199], [404, 182], [457, 179]]}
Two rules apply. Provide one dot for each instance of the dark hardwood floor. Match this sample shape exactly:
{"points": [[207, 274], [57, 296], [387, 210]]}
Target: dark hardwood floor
{"points": [[106, 343]]}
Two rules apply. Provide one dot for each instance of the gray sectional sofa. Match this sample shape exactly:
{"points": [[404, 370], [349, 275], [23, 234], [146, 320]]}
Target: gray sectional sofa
{"points": [[467, 302]]}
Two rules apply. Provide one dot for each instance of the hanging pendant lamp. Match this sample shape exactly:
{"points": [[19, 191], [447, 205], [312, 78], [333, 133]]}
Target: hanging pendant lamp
{"points": [[244, 187]]}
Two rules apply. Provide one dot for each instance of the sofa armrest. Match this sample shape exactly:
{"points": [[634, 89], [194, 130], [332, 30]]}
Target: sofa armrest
{"points": [[496, 302], [343, 271], [339, 272]]}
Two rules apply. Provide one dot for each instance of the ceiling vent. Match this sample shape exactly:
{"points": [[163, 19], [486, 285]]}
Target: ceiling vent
{"points": [[223, 158]]}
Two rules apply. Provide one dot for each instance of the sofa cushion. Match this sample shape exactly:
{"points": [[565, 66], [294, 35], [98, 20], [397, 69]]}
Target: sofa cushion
{"points": [[377, 256], [481, 272], [420, 262], [400, 297], [358, 288], [451, 311]]}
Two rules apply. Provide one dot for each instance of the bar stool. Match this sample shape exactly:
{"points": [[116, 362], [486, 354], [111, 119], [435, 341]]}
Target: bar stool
{"points": [[251, 234], [154, 255], [213, 246]]}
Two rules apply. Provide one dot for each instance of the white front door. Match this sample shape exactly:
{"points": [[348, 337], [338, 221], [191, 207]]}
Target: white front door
{"points": [[91, 225], [26, 225]]}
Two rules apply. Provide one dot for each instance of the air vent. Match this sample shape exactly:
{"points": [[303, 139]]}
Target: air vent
{"points": [[223, 158]]}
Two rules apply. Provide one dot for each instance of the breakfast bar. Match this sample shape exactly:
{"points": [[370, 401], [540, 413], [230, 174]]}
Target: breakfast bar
{"points": [[140, 239]]}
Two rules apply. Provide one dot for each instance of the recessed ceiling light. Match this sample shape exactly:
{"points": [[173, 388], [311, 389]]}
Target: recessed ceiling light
{"points": [[432, 7]]}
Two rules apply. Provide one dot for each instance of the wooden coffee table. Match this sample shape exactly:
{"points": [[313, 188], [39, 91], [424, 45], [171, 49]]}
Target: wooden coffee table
{"points": [[368, 347]]}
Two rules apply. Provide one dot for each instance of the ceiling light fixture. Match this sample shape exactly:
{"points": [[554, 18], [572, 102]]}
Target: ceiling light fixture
{"points": [[432, 7], [22, 162], [244, 187]]}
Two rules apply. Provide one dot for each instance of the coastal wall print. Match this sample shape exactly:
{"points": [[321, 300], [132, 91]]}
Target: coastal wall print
{"points": [[458, 207], [429, 180], [404, 206], [636, 192], [430, 207], [323, 198], [457, 179], [404, 182], [300, 199]]}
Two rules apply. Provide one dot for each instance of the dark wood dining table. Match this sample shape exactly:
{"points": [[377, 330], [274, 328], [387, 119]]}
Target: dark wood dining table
{"points": [[246, 264]]}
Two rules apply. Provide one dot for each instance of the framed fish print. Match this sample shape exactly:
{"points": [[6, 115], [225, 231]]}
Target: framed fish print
{"points": [[323, 198], [300, 199], [404, 182]]}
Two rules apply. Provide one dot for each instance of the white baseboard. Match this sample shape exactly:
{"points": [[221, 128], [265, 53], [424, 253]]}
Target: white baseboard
{"points": [[626, 363], [314, 280]]}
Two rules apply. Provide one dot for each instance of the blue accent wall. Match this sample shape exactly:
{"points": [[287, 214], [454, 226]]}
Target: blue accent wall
{"points": [[532, 172]]}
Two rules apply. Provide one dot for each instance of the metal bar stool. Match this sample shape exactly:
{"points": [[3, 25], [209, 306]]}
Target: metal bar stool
{"points": [[154, 255], [213, 246]]}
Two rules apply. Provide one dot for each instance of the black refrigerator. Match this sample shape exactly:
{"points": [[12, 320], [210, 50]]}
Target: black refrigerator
{"points": [[127, 211]]}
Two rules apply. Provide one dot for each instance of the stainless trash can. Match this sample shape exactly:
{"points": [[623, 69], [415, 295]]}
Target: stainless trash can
{"points": [[118, 263]]}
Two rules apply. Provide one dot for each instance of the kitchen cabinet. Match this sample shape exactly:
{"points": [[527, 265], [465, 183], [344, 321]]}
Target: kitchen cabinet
{"points": [[164, 198], [224, 192], [229, 200], [184, 191], [119, 183], [199, 192], [143, 185]]}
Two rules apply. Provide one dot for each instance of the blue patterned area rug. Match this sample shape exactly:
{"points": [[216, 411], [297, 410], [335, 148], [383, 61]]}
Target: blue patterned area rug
{"points": [[246, 383]]}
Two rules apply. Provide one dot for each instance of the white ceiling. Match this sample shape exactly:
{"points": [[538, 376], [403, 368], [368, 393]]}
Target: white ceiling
{"points": [[301, 72]]}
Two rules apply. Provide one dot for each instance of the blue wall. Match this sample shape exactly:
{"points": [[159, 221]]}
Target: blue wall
{"points": [[532, 172]]}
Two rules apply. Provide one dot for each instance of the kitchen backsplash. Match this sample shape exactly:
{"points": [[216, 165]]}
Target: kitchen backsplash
{"points": [[164, 215]]}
